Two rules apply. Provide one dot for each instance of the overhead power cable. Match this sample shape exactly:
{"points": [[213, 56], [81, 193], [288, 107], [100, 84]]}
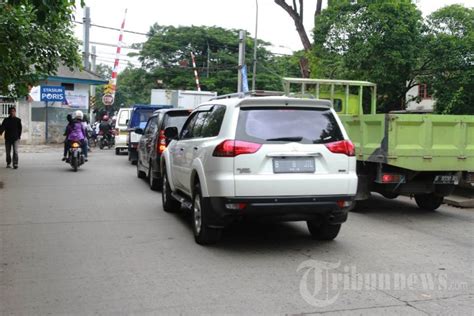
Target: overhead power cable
{"points": [[113, 28]]}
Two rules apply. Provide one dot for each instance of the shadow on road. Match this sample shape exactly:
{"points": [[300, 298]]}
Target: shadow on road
{"points": [[405, 209]]}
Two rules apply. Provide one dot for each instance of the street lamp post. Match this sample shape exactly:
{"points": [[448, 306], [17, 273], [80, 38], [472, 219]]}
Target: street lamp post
{"points": [[255, 47]]}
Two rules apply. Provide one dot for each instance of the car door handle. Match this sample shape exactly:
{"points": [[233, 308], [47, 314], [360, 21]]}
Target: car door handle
{"points": [[181, 149], [196, 148]]}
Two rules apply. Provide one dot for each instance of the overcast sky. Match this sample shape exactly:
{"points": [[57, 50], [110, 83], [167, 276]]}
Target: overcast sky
{"points": [[274, 26]]}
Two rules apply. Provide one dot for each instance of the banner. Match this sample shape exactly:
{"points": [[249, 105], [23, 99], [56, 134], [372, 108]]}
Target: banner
{"points": [[245, 83]]}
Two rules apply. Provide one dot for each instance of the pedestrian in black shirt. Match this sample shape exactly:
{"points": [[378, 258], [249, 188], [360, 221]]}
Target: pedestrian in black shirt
{"points": [[12, 128]]}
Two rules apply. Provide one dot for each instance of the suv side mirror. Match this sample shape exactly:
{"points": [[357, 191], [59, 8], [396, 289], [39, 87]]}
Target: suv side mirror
{"points": [[139, 131], [171, 132]]}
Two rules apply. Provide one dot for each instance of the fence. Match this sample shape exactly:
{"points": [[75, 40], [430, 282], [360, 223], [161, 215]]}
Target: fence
{"points": [[4, 106]]}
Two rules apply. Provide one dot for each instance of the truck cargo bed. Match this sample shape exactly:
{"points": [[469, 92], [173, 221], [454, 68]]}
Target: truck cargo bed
{"points": [[413, 141]]}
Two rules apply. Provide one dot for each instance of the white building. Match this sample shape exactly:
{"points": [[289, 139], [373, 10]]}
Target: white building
{"points": [[419, 99]]}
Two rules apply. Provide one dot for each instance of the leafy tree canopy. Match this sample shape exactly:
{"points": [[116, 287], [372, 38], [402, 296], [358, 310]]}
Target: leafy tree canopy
{"points": [[370, 40], [449, 53], [166, 56], [35, 37], [389, 43]]}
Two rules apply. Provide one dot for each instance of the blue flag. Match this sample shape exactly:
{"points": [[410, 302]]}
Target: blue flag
{"points": [[245, 83]]}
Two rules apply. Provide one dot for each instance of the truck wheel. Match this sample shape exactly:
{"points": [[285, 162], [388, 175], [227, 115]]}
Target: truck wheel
{"points": [[390, 195], [429, 202], [323, 231], [152, 181], [203, 234], [140, 174], [170, 205]]}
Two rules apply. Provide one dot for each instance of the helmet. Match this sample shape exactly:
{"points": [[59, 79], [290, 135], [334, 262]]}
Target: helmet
{"points": [[78, 115], [105, 118]]}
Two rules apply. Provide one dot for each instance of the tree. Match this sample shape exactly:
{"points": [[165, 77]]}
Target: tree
{"points": [[166, 56], [104, 71], [450, 59], [379, 41], [35, 37], [296, 13]]}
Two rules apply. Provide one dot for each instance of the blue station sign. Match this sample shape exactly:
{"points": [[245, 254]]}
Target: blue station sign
{"points": [[52, 94]]}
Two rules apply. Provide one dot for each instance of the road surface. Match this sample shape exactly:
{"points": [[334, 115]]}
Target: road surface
{"points": [[98, 241]]}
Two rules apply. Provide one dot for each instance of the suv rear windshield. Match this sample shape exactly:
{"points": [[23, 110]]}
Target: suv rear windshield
{"points": [[289, 124], [176, 119]]}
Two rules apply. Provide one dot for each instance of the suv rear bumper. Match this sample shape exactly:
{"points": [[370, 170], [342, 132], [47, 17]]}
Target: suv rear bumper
{"points": [[301, 208]]}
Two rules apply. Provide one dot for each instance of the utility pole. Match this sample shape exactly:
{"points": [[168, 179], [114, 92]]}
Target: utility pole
{"points": [[93, 58], [93, 88], [241, 59], [254, 77], [87, 24]]}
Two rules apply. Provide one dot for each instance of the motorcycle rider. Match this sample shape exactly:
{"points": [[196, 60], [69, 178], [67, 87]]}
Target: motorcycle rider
{"points": [[76, 132], [66, 142], [105, 128]]}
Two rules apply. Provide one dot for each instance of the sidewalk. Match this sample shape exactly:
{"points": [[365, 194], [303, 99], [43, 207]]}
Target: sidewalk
{"points": [[33, 148]]}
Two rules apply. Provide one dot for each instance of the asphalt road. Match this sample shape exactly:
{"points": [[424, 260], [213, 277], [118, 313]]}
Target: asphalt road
{"points": [[97, 241]]}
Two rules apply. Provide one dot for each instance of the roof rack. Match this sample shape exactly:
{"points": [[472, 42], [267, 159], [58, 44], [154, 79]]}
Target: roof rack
{"points": [[253, 93]]}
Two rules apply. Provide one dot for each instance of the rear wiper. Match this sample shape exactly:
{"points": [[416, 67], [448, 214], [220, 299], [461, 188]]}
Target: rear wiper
{"points": [[290, 139]]}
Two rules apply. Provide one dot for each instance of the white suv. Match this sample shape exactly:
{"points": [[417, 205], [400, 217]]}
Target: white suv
{"points": [[282, 157]]}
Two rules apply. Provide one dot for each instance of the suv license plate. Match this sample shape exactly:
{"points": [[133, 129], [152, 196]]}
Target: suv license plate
{"points": [[293, 165], [446, 180]]}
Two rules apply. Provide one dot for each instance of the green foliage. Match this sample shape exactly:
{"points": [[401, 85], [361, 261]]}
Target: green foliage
{"points": [[35, 37], [370, 40], [104, 71], [450, 48], [166, 55], [389, 43]]}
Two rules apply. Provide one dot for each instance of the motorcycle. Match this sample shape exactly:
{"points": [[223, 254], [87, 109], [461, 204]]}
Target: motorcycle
{"points": [[75, 155], [106, 140], [92, 137]]}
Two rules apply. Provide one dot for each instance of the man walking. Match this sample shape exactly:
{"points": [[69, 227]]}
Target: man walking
{"points": [[12, 128]]}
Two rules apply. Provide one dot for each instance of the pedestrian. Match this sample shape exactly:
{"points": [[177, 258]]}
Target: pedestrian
{"points": [[12, 128]]}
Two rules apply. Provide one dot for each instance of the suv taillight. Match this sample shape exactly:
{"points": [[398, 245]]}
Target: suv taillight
{"points": [[232, 148], [161, 143], [345, 147]]}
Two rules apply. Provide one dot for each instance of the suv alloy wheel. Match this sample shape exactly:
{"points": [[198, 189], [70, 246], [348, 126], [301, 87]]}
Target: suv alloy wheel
{"points": [[170, 205], [203, 234]]}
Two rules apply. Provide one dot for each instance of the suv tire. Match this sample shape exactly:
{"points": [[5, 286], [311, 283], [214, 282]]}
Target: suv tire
{"points": [[203, 234], [429, 202], [152, 181], [323, 230], [170, 204], [140, 174]]}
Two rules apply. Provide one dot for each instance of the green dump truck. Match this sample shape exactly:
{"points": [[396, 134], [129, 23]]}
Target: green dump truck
{"points": [[419, 155]]}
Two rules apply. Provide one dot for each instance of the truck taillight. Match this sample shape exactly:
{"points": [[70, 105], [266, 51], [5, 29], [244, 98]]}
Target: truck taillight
{"points": [[390, 178], [345, 147], [232, 148], [161, 144]]}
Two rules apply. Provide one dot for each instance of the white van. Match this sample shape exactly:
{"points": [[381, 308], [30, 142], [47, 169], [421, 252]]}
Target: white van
{"points": [[121, 126]]}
